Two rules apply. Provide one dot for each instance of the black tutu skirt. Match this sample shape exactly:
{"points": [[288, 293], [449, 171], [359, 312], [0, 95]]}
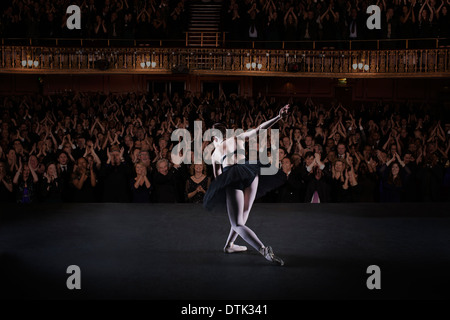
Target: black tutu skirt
{"points": [[240, 176]]}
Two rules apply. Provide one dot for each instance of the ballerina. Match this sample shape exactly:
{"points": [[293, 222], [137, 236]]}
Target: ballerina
{"points": [[239, 182]]}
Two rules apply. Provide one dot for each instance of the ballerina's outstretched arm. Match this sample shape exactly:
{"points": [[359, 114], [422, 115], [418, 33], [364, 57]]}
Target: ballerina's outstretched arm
{"points": [[265, 125]]}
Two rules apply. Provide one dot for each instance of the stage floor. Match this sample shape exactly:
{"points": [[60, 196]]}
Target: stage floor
{"points": [[162, 251]]}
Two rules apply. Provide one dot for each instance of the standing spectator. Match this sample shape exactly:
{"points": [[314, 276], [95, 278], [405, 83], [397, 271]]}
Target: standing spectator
{"points": [[84, 181], [6, 187], [309, 28], [100, 30], [140, 185], [443, 22], [355, 25], [290, 191], [430, 177], [254, 31], [165, 183], [181, 174], [318, 188], [25, 182], [197, 184], [368, 181], [51, 185], [389, 25], [116, 177], [393, 179], [407, 21], [426, 21], [339, 181], [65, 170], [290, 25], [235, 23]]}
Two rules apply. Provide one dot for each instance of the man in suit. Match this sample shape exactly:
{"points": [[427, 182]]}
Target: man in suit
{"points": [[355, 27], [290, 191], [165, 183], [65, 169], [309, 27]]}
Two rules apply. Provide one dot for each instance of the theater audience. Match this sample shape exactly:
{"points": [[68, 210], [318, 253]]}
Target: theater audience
{"points": [[375, 151], [337, 20], [271, 20], [104, 19]]}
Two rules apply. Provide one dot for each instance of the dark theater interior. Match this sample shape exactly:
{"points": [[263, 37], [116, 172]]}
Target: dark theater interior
{"points": [[95, 204]]}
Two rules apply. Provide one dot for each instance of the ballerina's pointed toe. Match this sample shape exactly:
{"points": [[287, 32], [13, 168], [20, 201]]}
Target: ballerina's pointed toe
{"points": [[267, 252]]}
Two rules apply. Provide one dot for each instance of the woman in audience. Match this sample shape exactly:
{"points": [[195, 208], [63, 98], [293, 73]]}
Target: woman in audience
{"points": [[197, 184], [84, 181], [140, 185], [394, 174], [25, 183], [51, 185]]}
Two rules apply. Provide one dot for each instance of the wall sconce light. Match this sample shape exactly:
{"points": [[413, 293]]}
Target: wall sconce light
{"points": [[148, 64], [253, 66], [361, 67], [30, 63]]}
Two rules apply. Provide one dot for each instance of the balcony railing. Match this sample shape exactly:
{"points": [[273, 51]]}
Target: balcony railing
{"points": [[221, 40], [263, 62]]}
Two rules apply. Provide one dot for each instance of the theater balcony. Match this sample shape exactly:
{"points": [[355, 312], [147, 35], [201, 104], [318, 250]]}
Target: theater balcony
{"points": [[357, 59]]}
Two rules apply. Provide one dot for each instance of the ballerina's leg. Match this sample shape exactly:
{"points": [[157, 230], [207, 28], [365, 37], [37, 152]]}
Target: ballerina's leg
{"points": [[235, 207], [249, 198]]}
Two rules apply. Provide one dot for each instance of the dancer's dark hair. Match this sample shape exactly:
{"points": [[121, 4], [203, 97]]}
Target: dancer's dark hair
{"points": [[221, 127]]}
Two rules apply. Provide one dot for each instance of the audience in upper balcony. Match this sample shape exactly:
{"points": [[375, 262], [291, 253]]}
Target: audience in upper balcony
{"points": [[268, 20], [292, 20], [100, 19], [117, 148]]}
